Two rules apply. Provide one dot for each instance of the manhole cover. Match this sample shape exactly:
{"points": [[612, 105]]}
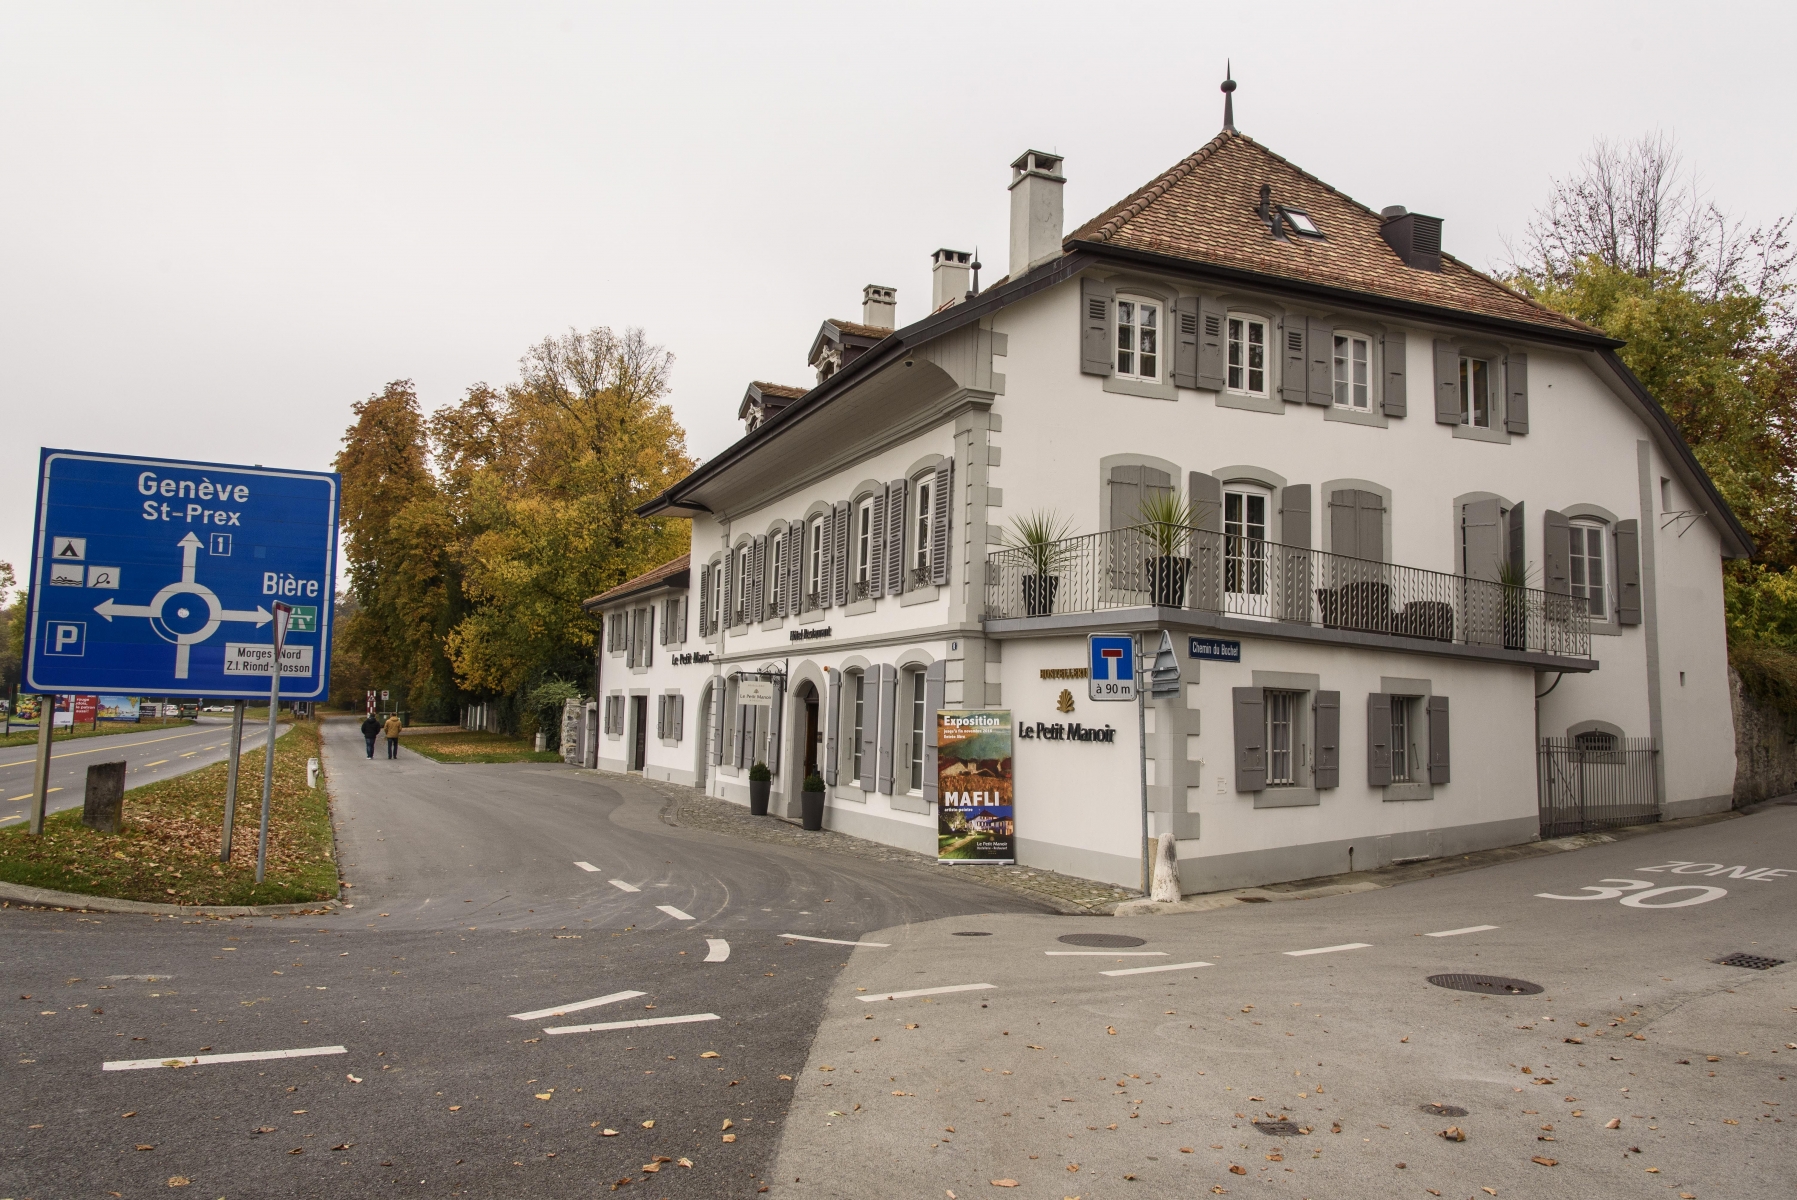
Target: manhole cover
{"points": [[1489, 985], [1109, 941], [1277, 1128], [1757, 962], [1443, 1110], [972, 933]]}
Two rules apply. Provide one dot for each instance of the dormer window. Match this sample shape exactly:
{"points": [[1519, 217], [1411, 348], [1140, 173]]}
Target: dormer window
{"points": [[1138, 339], [1300, 222]]}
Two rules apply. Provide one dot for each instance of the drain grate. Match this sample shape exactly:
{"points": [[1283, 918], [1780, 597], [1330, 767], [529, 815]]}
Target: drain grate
{"points": [[1488, 985], [1757, 962], [971, 933], [1110, 941], [1277, 1128], [1443, 1110]]}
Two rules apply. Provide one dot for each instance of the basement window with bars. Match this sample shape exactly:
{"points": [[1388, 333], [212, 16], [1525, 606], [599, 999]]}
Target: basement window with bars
{"points": [[1138, 339], [1406, 726], [1283, 751]]}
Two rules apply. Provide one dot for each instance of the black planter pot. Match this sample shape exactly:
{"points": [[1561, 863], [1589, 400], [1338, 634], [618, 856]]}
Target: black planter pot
{"points": [[1039, 593], [812, 805], [1167, 576], [758, 789]]}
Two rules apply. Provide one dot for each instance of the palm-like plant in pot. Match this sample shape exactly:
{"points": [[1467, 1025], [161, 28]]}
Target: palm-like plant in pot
{"points": [[1040, 539], [1167, 520], [1514, 579]]}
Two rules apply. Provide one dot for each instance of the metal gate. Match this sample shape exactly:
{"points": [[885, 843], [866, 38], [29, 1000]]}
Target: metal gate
{"points": [[1597, 781]]}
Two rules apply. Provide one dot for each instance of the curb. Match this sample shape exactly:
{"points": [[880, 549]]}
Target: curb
{"points": [[36, 897]]}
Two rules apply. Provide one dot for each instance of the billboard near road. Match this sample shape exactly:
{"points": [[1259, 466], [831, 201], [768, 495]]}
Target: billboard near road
{"points": [[975, 820]]}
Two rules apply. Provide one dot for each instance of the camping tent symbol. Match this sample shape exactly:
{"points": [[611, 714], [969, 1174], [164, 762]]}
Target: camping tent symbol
{"points": [[196, 613]]}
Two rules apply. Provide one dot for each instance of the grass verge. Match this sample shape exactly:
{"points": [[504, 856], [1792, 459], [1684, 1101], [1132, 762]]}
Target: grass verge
{"points": [[28, 737], [464, 746], [168, 852]]}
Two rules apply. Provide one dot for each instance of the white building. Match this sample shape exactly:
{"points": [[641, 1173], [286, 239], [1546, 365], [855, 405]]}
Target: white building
{"points": [[1375, 442]]}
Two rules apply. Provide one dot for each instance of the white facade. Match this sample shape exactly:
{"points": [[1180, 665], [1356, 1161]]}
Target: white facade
{"points": [[1000, 398]]}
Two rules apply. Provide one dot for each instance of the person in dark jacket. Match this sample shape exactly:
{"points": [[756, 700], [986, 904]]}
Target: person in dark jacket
{"points": [[371, 728]]}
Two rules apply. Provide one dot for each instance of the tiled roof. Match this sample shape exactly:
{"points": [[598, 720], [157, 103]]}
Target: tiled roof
{"points": [[857, 329], [641, 583], [1203, 209], [779, 390]]}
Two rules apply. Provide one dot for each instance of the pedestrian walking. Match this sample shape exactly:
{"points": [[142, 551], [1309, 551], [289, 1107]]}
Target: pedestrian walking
{"points": [[392, 730], [370, 729]]}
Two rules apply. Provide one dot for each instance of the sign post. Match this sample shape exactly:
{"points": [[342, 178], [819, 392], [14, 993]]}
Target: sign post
{"points": [[282, 613], [224, 855]]}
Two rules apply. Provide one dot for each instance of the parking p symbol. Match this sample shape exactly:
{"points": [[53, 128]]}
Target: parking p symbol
{"points": [[67, 638]]}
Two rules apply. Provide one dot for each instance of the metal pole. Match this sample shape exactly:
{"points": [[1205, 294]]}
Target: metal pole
{"points": [[1142, 756], [231, 778], [268, 758], [40, 788]]}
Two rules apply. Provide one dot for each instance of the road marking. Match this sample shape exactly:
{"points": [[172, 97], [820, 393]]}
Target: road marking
{"points": [[646, 1021], [1156, 967], [941, 991], [586, 866], [675, 913], [116, 746], [194, 1060], [157, 763], [720, 950], [1329, 949], [1458, 932], [540, 1013], [11, 799], [799, 937], [191, 753], [47, 791], [1105, 953], [622, 886]]}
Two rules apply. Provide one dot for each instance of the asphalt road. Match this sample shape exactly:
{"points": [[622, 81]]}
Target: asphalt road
{"points": [[151, 755], [470, 907]]}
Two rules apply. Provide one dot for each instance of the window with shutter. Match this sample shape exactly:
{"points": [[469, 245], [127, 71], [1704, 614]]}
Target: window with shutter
{"points": [[1628, 572], [1131, 486], [940, 521], [832, 725], [876, 551], [1319, 350], [1211, 353], [895, 537], [796, 551], [777, 566], [1294, 377], [1247, 355], [1378, 739], [1516, 400], [1185, 344], [1327, 773], [1250, 739], [1438, 739], [1396, 352], [1556, 553], [840, 551], [1138, 339], [863, 699], [1095, 327], [862, 551], [661, 716], [715, 719], [705, 586], [679, 717], [1353, 371], [885, 728], [1447, 382], [1515, 545]]}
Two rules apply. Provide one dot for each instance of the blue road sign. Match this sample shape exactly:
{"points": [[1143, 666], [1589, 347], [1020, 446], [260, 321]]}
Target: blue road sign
{"points": [[1222, 649], [1111, 671], [154, 577]]}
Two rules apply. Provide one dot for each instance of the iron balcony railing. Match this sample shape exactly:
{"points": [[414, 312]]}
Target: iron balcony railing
{"points": [[1172, 566]]}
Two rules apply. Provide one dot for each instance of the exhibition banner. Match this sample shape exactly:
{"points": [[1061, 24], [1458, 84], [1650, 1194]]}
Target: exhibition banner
{"points": [[975, 821]]}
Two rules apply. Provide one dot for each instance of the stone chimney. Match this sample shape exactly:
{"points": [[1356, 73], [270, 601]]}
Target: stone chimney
{"points": [[1036, 183], [950, 274], [879, 305]]}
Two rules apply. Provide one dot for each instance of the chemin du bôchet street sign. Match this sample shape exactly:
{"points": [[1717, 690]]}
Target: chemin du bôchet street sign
{"points": [[154, 577]]}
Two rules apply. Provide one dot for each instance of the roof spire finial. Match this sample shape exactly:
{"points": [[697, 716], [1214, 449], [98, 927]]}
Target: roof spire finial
{"points": [[1228, 97]]}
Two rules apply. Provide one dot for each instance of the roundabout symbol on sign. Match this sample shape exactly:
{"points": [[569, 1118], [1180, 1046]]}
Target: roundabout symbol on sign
{"points": [[196, 612]]}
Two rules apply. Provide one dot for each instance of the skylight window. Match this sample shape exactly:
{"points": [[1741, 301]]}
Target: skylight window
{"points": [[1301, 223]]}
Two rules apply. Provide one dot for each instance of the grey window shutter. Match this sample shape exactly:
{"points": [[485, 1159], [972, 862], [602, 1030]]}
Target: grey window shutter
{"points": [[663, 606], [1556, 550], [1210, 344], [839, 524], [1628, 572], [686, 603], [1125, 485], [941, 510], [1206, 494], [1516, 545], [1294, 377], [823, 584], [1328, 772], [1378, 739], [727, 589], [705, 600], [870, 726], [1369, 518], [679, 717], [739, 728], [935, 686], [715, 718], [1516, 383], [832, 726], [1250, 739], [1482, 539], [777, 601], [1396, 352], [758, 590], [896, 500], [888, 726], [649, 636], [1185, 342], [795, 577], [1095, 327], [1344, 528], [1438, 739], [1294, 515], [876, 547], [774, 721], [1322, 366], [661, 716], [1447, 382]]}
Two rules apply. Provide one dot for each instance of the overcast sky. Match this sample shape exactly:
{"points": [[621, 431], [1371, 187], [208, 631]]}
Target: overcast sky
{"points": [[223, 224]]}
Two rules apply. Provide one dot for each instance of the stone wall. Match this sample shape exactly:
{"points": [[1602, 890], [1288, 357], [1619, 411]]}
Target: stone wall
{"points": [[1765, 748], [572, 712]]}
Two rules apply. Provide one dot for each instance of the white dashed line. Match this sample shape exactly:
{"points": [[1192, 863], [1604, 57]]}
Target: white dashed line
{"points": [[646, 1021], [1105, 953], [587, 866], [941, 991], [799, 937], [540, 1013], [1329, 949], [1155, 968], [1458, 932], [622, 886], [674, 912], [720, 950], [194, 1060]]}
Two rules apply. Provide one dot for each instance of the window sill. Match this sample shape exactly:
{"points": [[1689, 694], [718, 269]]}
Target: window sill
{"points": [[851, 795], [1409, 791], [1287, 797], [1147, 389], [1472, 433], [670, 741], [1355, 416], [1606, 629], [911, 802], [772, 623], [1247, 403], [926, 593], [860, 606], [811, 616]]}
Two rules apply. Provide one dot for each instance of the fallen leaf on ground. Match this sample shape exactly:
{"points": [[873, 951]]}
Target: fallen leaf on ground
{"points": [[545, 1095], [1111, 1029], [351, 1078], [608, 1133], [729, 1137], [1236, 1169], [1613, 1123], [727, 1124], [710, 1054], [1185, 1150], [1546, 1162], [648, 1124], [182, 1180], [1003, 1182], [146, 1145], [1453, 1133]]}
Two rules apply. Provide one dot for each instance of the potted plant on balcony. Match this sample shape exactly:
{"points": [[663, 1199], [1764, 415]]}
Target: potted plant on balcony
{"points": [[1513, 606], [1168, 517], [760, 780], [1039, 538], [811, 802]]}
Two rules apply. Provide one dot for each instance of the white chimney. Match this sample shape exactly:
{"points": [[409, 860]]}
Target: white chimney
{"points": [[950, 275], [1036, 183], [878, 306]]}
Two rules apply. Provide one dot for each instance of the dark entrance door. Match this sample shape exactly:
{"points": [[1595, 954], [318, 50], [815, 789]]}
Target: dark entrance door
{"points": [[811, 735], [639, 711]]}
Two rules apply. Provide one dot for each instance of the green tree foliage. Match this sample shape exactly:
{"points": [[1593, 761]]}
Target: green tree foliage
{"points": [[12, 631]]}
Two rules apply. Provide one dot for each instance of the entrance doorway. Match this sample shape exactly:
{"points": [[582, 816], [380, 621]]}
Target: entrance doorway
{"points": [[639, 717], [808, 697]]}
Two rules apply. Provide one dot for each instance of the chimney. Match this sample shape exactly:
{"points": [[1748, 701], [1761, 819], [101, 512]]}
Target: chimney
{"points": [[1416, 238], [1036, 183], [949, 277], [878, 306]]}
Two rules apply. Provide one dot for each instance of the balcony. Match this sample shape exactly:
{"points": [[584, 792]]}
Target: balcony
{"points": [[1235, 583]]}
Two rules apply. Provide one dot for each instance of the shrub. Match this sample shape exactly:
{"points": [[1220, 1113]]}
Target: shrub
{"points": [[758, 773], [814, 782]]}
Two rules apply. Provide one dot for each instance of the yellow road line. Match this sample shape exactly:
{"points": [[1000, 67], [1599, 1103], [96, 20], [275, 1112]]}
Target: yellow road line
{"points": [[116, 746], [157, 763]]}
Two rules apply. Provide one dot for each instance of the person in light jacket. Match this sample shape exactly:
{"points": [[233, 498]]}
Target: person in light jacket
{"points": [[370, 729], [392, 731]]}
